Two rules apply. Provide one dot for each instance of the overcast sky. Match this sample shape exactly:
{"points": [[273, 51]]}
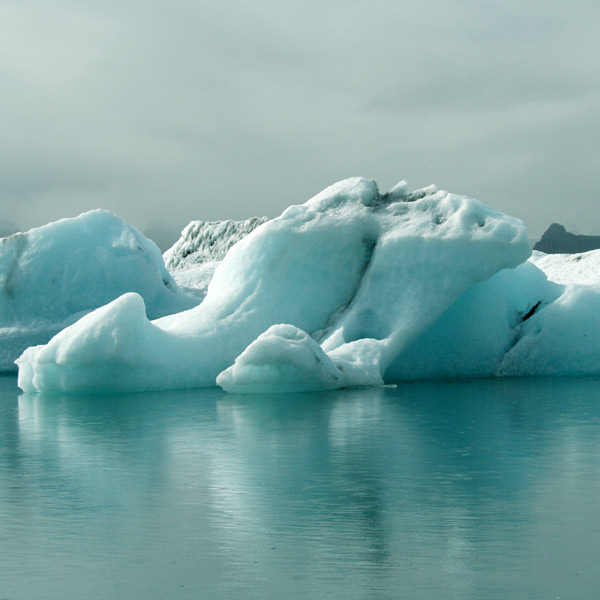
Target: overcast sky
{"points": [[164, 112]]}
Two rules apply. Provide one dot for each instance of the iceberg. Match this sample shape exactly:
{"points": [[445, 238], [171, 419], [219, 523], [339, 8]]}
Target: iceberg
{"points": [[331, 293], [283, 358], [51, 276]]}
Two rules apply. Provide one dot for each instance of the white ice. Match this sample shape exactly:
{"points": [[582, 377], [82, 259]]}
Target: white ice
{"points": [[583, 269], [283, 358]]}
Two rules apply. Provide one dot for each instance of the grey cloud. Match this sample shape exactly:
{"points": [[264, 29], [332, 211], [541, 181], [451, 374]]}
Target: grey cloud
{"points": [[196, 110], [7, 227]]}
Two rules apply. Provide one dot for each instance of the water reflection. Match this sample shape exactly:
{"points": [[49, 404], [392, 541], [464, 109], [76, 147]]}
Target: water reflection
{"points": [[442, 489]]}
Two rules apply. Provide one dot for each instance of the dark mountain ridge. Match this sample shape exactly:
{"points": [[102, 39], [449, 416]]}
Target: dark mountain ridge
{"points": [[557, 240]]}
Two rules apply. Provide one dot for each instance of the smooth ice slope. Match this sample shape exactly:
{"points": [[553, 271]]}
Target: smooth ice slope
{"points": [[362, 272], [471, 338], [52, 275], [202, 246]]}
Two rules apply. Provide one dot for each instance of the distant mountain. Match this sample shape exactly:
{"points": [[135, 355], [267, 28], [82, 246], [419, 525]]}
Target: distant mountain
{"points": [[557, 240]]}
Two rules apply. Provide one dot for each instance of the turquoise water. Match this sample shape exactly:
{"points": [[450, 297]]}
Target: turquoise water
{"points": [[481, 489]]}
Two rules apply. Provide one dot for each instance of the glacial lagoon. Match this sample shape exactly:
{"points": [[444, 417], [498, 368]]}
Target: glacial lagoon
{"points": [[474, 489]]}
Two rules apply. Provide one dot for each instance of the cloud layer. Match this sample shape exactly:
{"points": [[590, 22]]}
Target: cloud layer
{"points": [[165, 113]]}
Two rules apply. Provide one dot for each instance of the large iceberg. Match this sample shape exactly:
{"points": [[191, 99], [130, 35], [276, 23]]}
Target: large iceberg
{"points": [[53, 275], [352, 279]]}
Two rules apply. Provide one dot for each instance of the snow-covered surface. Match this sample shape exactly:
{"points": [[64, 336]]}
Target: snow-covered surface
{"points": [[570, 268], [52, 275], [354, 276], [193, 259]]}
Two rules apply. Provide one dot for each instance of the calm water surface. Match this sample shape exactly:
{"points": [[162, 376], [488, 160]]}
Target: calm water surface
{"points": [[481, 489]]}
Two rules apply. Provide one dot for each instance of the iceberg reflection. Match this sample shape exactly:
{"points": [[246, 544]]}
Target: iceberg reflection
{"points": [[370, 491]]}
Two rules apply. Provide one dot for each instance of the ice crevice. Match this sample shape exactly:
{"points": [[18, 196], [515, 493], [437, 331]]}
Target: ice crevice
{"points": [[320, 334]]}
